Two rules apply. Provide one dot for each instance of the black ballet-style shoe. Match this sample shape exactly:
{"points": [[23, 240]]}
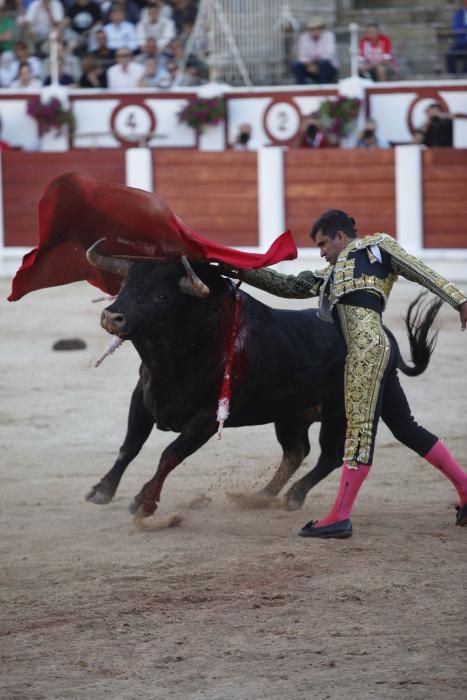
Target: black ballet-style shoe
{"points": [[461, 515], [339, 531]]}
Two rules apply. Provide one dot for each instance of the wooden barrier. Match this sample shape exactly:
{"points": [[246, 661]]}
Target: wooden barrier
{"points": [[25, 176], [359, 182], [216, 194], [444, 193]]}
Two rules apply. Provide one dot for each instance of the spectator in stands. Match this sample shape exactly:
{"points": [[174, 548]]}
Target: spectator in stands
{"points": [[457, 54], [375, 55], [7, 27], [22, 55], [311, 135], [64, 78], [316, 55], [153, 24], [41, 17], [130, 8], [243, 140], [102, 52], [81, 17], [71, 63], [93, 75], [26, 80], [183, 11], [368, 137], [120, 33], [126, 73], [437, 129], [155, 74]]}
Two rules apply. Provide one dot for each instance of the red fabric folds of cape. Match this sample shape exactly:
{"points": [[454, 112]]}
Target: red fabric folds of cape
{"points": [[76, 211]]}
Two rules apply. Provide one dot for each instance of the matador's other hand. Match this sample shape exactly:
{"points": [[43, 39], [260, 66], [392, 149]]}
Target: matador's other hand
{"points": [[463, 314]]}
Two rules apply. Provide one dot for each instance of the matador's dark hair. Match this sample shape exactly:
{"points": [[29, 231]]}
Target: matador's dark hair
{"points": [[332, 221]]}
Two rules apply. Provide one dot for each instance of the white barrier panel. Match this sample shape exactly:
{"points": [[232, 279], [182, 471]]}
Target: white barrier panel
{"points": [[271, 195], [409, 197], [138, 168]]}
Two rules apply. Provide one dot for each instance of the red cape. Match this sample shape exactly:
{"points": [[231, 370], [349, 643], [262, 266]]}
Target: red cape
{"points": [[76, 211]]}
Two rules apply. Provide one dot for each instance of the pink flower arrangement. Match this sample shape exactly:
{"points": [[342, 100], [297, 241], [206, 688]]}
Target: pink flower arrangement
{"points": [[337, 117], [201, 112], [50, 115]]}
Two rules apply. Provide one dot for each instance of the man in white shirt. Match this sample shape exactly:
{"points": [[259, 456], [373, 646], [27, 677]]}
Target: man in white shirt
{"points": [[41, 17], [120, 33], [125, 73], [316, 55], [154, 24]]}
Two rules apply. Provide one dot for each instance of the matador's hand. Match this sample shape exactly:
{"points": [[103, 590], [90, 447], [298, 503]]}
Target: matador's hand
{"points": [[463, 314]]}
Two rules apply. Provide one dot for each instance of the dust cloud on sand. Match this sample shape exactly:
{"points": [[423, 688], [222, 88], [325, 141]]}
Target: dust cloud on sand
{"points": [[227, 604]]}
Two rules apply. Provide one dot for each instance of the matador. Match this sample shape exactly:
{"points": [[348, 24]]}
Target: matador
{"points": [[353, 291]]}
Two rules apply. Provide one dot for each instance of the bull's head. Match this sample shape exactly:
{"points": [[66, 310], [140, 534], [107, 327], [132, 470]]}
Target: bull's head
{"points": [[150, 291]]}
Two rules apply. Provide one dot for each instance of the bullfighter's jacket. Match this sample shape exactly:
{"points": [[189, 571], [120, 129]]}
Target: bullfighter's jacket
{"points": [[369, 264]]}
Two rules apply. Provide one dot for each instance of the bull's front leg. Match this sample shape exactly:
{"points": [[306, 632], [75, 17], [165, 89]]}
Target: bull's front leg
{"points": [[140, 424], [195, 433]]}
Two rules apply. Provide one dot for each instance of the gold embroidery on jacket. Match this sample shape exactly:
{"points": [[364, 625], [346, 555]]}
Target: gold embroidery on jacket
{"points": [[368, 353]]}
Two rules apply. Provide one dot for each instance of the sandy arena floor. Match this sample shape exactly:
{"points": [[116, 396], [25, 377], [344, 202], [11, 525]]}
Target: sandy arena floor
{"points": [[231, 604]]}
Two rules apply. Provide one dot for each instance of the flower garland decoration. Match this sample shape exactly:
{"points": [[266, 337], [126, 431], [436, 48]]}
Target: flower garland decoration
{"points": [[201, 112], [49, 115], [337, 116]]}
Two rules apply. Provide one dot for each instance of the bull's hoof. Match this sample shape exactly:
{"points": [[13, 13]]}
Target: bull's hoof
{"points": [[99, 496], [293, 500], [140, 509]]}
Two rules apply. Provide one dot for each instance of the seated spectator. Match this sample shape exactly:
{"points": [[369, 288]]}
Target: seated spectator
{"points": [[81, 17], [316, 55], [41, 17], [155, 74], [243, 140], [120, 33], [94, 75], [155, 25], [71, 63], [437, 129], [7, 27], [131, 11], [22, 55], [191, 74], [183, 11], [311, 135], [104, 55], [25, 80], [368, 137], [457, 54], [375, 55], [126, 73], [64, 78], [149, 50]]}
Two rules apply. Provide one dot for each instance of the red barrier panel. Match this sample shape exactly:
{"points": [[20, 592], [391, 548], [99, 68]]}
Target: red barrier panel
{"points": [[25, 176], [444, 195]]}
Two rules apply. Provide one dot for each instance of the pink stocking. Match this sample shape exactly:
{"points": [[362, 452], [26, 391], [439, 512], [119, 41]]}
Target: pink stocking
{"points": [[351, 481], [441, 458]]}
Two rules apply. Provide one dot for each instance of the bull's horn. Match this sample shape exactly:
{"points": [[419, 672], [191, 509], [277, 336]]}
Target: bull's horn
{"points": [[106, 262], [199, 289]]}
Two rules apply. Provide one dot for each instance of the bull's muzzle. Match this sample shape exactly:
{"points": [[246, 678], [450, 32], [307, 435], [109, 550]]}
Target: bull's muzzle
{"points": [[113, 322]]}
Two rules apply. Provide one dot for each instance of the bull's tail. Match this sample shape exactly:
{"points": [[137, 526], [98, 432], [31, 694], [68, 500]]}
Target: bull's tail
{"points": [[422, 333]]}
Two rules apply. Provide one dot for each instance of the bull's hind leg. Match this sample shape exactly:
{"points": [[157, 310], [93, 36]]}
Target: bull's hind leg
{"points": [[140, 424], [194, 434], [292, 434], [331, 440]]}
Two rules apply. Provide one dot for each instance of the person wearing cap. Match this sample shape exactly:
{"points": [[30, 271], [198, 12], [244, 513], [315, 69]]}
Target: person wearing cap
{"points": [[316, 55]]}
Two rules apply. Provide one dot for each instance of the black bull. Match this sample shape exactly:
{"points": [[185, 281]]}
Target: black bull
{"points": [[288, 370]]}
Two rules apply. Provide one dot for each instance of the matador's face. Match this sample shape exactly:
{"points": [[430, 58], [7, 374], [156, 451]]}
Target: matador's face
{"points": [[330, 248]]}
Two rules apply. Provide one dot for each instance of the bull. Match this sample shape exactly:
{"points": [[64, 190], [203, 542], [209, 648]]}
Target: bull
{"points": [[287, 370]]}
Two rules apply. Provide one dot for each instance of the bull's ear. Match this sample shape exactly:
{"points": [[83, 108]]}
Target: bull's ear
{"points": [[187, 287]]}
